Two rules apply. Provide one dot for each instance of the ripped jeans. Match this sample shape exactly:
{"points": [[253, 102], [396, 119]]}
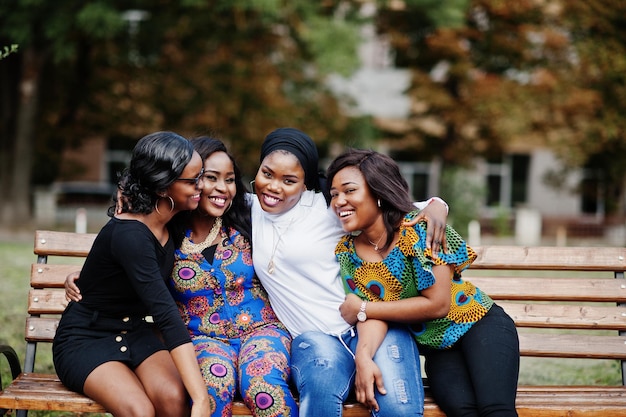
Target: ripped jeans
{"points": [[323, 371]]}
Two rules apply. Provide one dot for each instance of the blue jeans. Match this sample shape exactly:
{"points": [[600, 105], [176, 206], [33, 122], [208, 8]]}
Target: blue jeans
{"points": [[323, 371]]}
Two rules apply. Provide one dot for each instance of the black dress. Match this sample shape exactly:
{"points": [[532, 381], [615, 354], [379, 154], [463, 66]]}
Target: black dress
{"points": [[123, 281]]}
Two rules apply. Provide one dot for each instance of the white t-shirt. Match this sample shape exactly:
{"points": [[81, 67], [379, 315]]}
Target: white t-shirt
{"points": [[305, 288]]}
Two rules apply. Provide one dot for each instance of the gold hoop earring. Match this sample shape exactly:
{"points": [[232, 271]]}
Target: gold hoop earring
{"points": [[156, 204], [252, 184], [229, 206]]}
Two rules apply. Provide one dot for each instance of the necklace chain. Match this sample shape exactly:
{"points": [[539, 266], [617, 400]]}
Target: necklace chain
{"points": [[271, 267], [189, 247], [375, 245]]}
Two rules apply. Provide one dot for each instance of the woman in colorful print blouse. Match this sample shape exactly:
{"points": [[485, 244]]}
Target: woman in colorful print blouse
{"points": [[470, 344], [240, 344]]}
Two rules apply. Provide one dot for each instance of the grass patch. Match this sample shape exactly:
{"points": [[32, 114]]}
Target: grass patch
{"points": [[553, 371], [15, 261]]}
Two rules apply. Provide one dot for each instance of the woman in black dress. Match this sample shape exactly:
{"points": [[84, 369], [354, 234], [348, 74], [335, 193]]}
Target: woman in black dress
{"points": [[106, 346]]}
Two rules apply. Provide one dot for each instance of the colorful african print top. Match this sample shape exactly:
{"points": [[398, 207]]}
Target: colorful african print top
{"points": [[221, 296], [407, 271]]}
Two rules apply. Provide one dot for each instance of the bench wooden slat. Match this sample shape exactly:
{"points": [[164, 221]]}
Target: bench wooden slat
{"points": [[531, 344], [50, 275], [40, 329], [550, 258], [572, 346], [63, 243], [552, 289], [499, 288], [588, 409], [45, 392], [46, 301], [566, 316], [357, 410], [489, 257], [524, 315]]}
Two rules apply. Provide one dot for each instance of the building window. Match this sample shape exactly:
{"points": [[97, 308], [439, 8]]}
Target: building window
{"points": [[520, 164], [507, 180], [419, 186], [420, 177], [494, 187], [590, 193], [117, 161]]}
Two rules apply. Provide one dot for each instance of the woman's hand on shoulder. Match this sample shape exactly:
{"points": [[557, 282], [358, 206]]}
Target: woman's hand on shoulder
{"points": [[72, 293], [350, 308], [435, 215]]}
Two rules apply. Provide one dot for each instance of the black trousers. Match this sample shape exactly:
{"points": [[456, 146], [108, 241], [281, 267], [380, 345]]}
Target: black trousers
{"points": [[478, 375]]}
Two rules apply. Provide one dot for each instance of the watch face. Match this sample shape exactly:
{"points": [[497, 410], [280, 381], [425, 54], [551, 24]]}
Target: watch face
{"points": [[361, 316]]}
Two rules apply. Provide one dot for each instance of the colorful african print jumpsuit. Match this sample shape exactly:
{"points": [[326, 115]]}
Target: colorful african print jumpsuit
{"points": [[240, 343]]}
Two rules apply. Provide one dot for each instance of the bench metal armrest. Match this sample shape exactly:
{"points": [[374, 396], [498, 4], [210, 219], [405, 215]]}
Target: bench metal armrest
{"points": [[14, 362]]}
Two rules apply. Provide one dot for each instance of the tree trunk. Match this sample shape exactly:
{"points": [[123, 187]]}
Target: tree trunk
{"points": [[17, 208]]}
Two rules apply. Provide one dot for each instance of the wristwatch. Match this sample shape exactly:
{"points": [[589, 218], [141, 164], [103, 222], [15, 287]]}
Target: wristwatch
{"points": [[361, 316]]}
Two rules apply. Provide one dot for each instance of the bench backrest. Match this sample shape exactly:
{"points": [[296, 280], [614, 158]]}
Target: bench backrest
{"points": [[560, 288], [573, 289]]}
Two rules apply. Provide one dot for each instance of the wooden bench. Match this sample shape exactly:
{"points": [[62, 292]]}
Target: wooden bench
{"points": [[585, 290]]}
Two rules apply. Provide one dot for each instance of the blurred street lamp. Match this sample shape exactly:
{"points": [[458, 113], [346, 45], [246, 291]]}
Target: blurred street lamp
{"points": [[134, 17]]}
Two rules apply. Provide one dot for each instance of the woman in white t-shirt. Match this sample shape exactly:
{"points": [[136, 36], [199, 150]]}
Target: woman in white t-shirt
{"points": [[294, 235]]}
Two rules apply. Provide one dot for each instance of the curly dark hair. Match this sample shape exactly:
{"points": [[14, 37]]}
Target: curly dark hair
{"points": [[158, 159], [385, 181], [238, 216]]}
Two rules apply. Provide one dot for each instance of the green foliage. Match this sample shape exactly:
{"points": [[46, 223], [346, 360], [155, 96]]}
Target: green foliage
{"points": [[16, 257], [8, 50], [264, 7], [517, 75], [547, 371], [57, 28], [487, 75], [444, 14], [238, 68], [99, 20], [333, 43], [502, 222]]}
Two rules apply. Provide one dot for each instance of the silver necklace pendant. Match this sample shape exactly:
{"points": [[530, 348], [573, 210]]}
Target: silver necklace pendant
{"points": [[275, 231]]}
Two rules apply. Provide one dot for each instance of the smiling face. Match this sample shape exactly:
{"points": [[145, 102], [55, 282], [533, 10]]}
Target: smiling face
{"points": [[279, 182], [185, 192], [352, 200], [219, 184]]}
